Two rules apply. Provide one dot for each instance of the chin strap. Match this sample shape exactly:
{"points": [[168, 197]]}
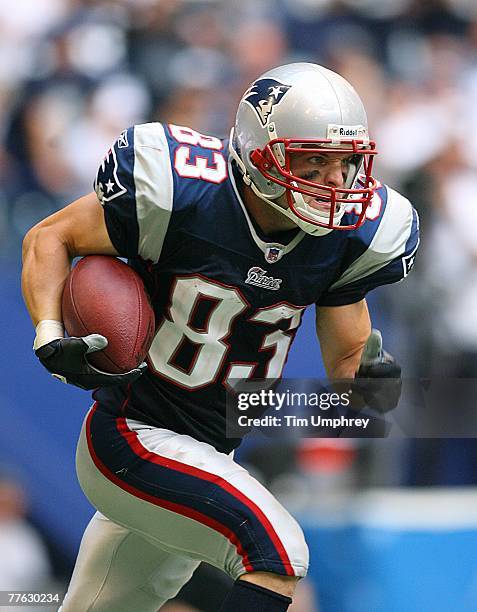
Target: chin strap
{"points": [[237, 159]]}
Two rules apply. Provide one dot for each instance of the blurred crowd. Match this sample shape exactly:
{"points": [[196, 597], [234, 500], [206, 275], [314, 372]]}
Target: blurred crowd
{"points": [[75, 73], [24, 561]]}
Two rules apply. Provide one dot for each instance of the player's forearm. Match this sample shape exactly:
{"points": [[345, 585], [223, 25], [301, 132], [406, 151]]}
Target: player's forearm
{"points": [[343, 332], [46, 264], [344, 367]]}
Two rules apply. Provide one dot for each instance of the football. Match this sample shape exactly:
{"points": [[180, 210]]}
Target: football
{"points": [[105, 296]]}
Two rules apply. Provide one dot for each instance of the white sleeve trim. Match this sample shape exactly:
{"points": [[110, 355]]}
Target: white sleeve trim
{"points": [[388, 242], [154, 188]]}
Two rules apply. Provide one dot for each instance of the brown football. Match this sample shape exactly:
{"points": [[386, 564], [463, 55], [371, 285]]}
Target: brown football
{"points": [[103, 295]]}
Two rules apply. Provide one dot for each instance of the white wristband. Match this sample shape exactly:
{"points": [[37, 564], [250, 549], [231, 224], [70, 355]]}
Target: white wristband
{"points": [[46, 331]]}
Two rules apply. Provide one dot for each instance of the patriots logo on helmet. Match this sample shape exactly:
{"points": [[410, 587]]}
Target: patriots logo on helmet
{"points": [[107, 184], [264, 95]]}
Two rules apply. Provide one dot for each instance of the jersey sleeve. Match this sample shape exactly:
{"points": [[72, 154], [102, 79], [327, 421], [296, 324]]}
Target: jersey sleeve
{"points": [[388, 258], [134, 184]]}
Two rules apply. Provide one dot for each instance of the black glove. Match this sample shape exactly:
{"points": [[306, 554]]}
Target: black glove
{"points": [[378, 380], [66, 359]]}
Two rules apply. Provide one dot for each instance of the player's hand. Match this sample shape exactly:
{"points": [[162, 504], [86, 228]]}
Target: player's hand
{"points": [[66, 359], [378, 379]]}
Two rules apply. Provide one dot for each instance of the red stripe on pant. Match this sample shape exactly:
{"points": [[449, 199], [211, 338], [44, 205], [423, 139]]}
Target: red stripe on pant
{"points": [[136, 446], [177, 508]]}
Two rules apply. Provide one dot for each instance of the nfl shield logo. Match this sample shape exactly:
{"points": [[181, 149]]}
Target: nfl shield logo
{"points": [[273, 254]]}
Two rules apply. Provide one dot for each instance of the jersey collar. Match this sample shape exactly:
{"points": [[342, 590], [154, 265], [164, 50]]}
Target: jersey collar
{"points": [[272, 251]]}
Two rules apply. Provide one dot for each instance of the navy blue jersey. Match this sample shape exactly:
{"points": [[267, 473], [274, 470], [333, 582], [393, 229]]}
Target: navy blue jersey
{"points": [[228, 301]]}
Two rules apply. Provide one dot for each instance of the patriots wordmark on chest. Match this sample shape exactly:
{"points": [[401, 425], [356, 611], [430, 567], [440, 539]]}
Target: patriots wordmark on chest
{"points": [[258, 277]]}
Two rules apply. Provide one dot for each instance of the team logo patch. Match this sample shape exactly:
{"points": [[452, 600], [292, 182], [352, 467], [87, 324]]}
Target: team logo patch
{"points": [[257, 276], [123, 142], [264, 95], [107, 184], [408, 262]]}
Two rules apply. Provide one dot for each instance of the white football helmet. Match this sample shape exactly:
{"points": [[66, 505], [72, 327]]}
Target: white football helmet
{"points": [[299, 106]]}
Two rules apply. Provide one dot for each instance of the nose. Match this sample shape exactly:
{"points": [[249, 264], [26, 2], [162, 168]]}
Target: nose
{"points": [[334, 174]]}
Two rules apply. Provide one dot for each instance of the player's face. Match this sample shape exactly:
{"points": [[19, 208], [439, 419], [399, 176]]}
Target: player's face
{"points": [[329, 169]]}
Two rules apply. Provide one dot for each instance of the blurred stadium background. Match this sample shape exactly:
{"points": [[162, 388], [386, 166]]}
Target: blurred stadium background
{"points": [[392, 524]]}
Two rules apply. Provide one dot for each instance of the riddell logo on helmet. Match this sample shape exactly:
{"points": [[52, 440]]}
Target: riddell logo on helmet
{"points": [[336, 132]]}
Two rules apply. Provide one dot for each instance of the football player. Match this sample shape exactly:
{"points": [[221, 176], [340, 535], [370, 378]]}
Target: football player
{"points": [[234, 239]]}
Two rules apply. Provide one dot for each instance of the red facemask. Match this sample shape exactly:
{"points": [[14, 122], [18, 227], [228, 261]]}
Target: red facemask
{"points": [[267, 162]]}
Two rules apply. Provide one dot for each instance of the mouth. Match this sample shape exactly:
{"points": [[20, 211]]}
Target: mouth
{"points": [[318, 204], [321, 205]]}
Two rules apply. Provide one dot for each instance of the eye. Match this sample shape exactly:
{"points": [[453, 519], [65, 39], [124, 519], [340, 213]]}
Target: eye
{"points": [[318, 160]]}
